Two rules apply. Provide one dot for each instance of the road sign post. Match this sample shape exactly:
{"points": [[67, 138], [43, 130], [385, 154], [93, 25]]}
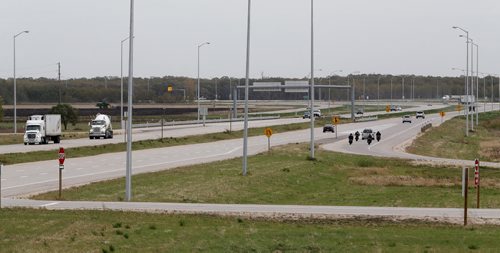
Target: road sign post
{"points": [[62, 157], [465, 189], [442, 114], [269, 132], [336, 121], [387, 108], [476, 181]]}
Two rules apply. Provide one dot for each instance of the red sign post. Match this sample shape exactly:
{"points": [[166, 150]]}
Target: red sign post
{"points": [[476, 180], [62, 157]]}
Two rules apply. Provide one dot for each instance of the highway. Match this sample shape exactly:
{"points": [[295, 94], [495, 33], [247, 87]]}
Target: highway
{"points": [[25, 179]]}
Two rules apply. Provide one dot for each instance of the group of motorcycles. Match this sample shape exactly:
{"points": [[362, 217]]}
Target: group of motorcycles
{"points": [[369, 139]]}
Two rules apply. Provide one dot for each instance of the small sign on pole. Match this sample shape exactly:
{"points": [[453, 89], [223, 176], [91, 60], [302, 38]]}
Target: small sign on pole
{"points": [[336, 121], [268, 132], [442, 114], [62, 157]]}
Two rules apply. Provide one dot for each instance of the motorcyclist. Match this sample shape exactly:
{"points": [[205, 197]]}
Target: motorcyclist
{"points": [[350, 138], [357, 135], [379, 135], [369, 139]]}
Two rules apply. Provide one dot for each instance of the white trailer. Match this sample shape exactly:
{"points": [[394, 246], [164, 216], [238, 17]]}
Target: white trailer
{"points": [[43, 128]]}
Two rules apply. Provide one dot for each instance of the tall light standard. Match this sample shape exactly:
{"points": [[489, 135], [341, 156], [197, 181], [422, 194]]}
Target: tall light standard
{"points": [[470, 88], [466, 78], [15, 86], [312, 82], [477, 82], [247, 83], [391, 90], [353, 91], [121, 83], [198, 86], [128, 178]]}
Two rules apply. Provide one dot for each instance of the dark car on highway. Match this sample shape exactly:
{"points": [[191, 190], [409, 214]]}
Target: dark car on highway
{"points": [[329, 128]]}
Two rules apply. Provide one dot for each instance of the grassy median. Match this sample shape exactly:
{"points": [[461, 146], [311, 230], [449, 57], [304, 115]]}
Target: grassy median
{"points": [[449, 140], [285, 176], [25, 230]]}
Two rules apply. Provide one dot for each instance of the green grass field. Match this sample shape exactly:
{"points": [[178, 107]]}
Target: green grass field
{"points": [[285, 176], [25, 230], [449, 140]]}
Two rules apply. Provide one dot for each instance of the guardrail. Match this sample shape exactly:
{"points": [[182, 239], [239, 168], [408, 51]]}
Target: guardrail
{"points": [[362, 119], [194, 122], [425, 127]]}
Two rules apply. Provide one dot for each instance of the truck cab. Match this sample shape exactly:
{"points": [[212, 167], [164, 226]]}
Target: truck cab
{"points": [[101, 127]]}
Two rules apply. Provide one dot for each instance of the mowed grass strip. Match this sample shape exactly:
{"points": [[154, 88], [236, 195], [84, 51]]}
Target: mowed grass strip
{"points": [[286, 176], [28, 230], [449, 140]]}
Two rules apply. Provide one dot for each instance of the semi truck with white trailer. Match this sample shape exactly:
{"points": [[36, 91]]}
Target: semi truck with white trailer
{"points": [[41, 129], [101, 127]]}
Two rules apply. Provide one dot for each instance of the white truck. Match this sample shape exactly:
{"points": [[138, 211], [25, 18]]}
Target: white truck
{"points": [[43, 128], [101, 127]]}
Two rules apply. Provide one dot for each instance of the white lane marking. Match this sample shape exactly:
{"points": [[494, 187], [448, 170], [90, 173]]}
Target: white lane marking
{"points": [[80, 168], [402, 132], [24, 176], [49, 204], [110, 171], [43, 173]]}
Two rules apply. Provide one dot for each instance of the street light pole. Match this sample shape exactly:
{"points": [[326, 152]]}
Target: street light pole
{"points": [[312, 82], [128, 180], [121, 85], [15, 85], [466, 79], [198, 86], [247, 81]]}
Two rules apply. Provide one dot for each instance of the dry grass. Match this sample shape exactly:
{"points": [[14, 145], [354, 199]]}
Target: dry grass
{"points": [[390, 180], [490, 149]]}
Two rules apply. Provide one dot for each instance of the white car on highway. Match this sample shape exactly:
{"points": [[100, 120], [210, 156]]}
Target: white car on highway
{"points": [[406, 118]]}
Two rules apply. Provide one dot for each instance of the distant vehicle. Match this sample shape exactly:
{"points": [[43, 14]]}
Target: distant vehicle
{"points": [[307, 114], [103, 104], [420, 114], [101, 127], [43, 128], [429, 104], [317, 113], [329, 128], [359, 112], [396, 108], [366, 133], [407, 118]]}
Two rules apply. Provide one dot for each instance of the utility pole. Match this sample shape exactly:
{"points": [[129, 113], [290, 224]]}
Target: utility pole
{"points": [[59, 79]]}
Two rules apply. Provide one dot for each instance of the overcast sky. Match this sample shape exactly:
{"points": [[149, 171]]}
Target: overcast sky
{"points": [[382, 36]]}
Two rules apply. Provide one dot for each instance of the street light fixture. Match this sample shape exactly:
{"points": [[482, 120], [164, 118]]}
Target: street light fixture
{"points": [[15, 86], [470, 87], [128, 177], [198, 86]]}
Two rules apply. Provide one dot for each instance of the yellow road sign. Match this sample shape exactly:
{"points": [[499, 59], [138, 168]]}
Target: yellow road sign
{"points": [[442, 114], [268, 131], [335, 120], [170, 88], [459, 108]]}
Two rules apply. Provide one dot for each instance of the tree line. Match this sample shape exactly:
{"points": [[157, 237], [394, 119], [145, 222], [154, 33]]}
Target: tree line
{"points": [[154, 89]]}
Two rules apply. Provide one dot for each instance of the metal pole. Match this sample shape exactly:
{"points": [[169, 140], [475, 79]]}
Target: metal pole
{"points": [[467, 87], [60, 181], [391, 90], [15, 85], [471, 84], [353, 88], [378, 90], [245, 127], [121, 88], [312, 81], [403, 89], [477, 84], [465, 194], [198, 86], [128, 180]]}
